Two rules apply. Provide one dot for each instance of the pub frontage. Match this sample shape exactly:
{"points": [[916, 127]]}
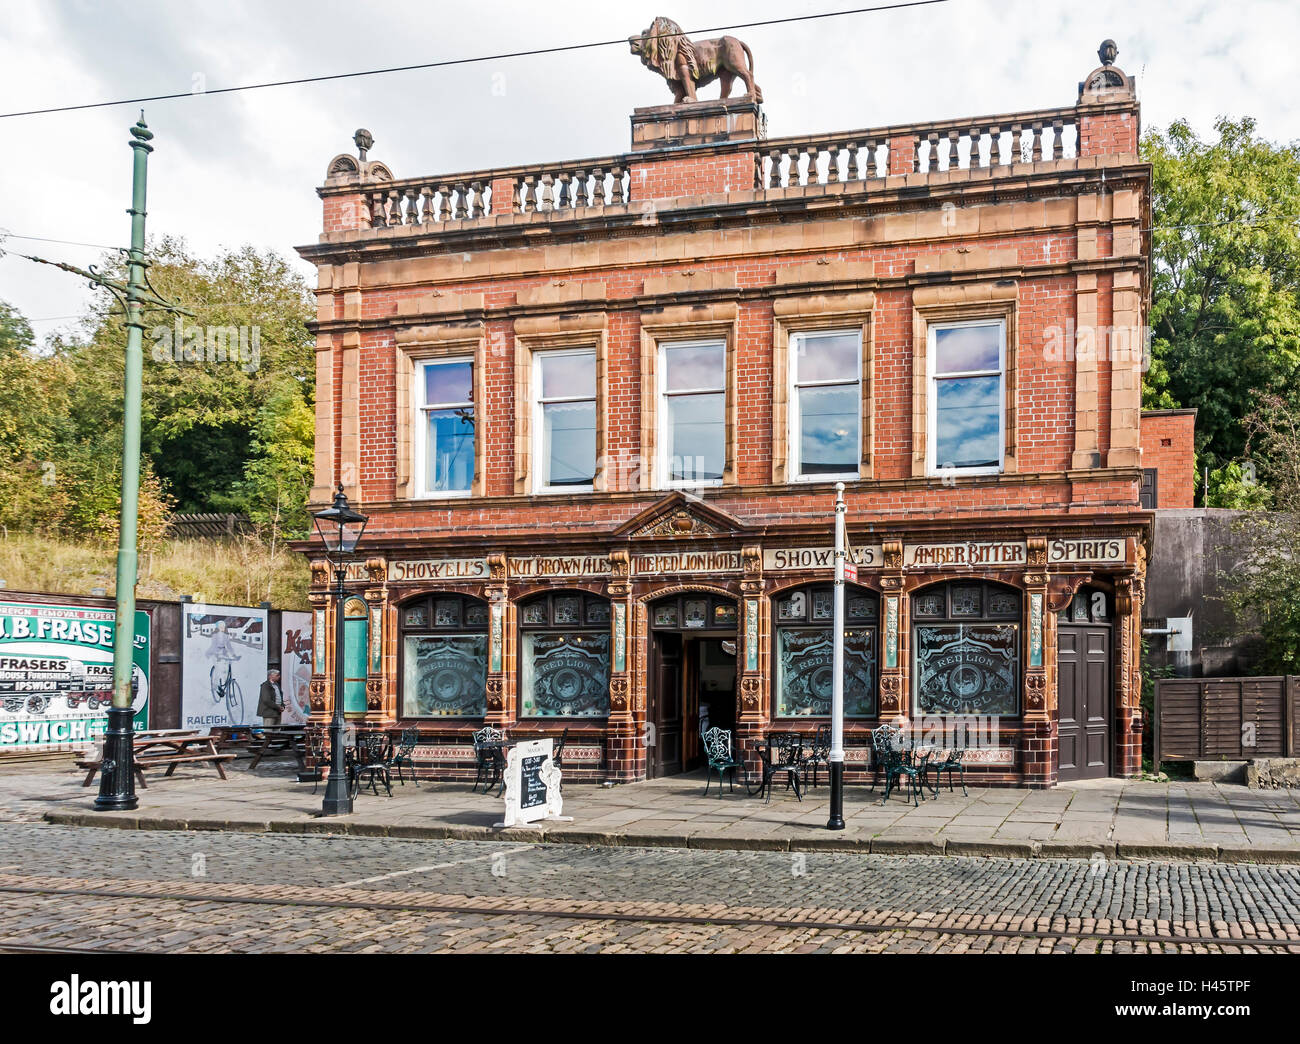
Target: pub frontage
{"points": [[597, 411]]}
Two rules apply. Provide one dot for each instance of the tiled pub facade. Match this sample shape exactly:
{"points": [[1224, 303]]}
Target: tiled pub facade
{"points": [[596, 412]]}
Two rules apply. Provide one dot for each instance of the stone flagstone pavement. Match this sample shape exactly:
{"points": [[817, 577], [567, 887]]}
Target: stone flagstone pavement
{"points": [[1112, 817]]}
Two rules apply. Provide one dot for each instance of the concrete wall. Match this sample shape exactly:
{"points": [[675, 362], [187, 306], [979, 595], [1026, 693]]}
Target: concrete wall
{"points": [[1195, 555]]}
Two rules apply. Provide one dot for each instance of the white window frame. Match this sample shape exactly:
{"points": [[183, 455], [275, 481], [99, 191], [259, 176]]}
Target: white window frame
{"points": [[932, 379], [794, 442], [662, 464], [541, 464], [421, 441]]}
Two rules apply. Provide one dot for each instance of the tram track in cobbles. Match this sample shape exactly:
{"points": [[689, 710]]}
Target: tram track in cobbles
{"points": [[187, 891], [528, 918]]}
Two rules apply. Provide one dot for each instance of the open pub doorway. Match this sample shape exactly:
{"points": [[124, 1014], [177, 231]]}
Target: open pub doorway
{"points": [[692, 679]]}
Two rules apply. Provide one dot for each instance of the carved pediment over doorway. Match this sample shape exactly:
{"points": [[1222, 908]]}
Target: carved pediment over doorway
{"points": [[680, 514]]}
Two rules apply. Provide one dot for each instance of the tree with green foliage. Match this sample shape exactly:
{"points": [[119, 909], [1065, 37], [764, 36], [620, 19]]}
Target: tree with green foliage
{"points": [[59, 474], [227, 416], [1225, 312], [1264, 588]]}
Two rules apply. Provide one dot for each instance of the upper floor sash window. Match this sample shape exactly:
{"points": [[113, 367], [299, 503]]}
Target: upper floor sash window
{"points": [[445, 447], [565, 420], [693, 393], [967, 397], [825, 405]]}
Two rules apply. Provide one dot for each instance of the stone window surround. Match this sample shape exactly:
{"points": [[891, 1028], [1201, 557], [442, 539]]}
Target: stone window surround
{"points": [[808, 314], [957, 303], [436, 342], [709, 322], [544, 334]]}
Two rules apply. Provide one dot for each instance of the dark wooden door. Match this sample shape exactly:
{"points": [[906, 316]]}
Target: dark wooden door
{"points": [[664, 709], [1083, 698]]}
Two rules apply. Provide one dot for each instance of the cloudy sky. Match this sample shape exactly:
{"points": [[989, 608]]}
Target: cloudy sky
{"points": [[238, 168]]}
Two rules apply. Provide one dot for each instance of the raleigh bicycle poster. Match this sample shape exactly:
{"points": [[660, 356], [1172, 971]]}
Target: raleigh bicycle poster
{"points": [[56, 674], [295, 667], [224, 665]]}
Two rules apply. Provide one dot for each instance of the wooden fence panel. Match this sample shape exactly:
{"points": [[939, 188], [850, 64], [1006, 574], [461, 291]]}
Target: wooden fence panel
{"points": [[1233, 718]]}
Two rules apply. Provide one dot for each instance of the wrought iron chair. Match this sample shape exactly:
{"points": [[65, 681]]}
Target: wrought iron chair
{"points": [[490, 762], [953, 760], [883, 739], [898, 765], [783, 752], [375, 756], [819, 753], [723, 758], [404, 756], [317, 743]]}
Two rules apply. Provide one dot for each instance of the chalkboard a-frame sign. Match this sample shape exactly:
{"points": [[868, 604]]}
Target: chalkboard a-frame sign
{"points": [[532, 785]]}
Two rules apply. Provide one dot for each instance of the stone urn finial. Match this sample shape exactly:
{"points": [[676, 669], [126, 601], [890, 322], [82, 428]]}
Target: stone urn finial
{"points": [[1107, 52], [364, 142]]}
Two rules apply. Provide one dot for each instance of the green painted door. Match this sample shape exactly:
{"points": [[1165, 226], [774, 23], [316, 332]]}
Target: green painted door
{"points": [[355, 632]]}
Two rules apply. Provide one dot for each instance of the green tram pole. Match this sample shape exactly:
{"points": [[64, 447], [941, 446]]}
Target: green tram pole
{"points": [[116, 778]]}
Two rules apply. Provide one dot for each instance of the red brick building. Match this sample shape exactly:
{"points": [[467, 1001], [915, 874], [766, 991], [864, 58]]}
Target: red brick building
{"points": [[596, 410], [1169, 458]]}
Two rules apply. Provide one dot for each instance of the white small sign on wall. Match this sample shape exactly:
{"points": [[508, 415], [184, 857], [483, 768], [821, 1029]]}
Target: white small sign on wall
{"points": [[532, 785]]}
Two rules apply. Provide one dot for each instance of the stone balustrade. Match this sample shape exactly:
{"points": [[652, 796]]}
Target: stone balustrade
{"points": [[372, 199], [917, 148], [428, 201], [572, 186]]}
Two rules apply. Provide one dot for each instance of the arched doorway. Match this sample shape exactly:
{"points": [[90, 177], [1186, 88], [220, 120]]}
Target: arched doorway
{"points": [[692, 677]]}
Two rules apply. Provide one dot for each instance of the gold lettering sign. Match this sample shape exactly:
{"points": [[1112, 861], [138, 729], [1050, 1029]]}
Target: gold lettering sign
{"points": [[1106, 549], [787, 559], [970, 555], [560, 565], [439, 569], [687, 562]]}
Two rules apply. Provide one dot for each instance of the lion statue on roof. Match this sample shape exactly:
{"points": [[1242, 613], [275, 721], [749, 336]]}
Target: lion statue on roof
{"points": [[687, 64]]}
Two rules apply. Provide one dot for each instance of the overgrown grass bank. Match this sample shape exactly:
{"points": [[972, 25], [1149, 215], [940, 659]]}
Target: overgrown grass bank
{"points": [[243, 571]]}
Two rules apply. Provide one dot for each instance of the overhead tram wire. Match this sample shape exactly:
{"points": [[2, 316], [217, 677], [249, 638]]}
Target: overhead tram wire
{"points": [[621, 41]]}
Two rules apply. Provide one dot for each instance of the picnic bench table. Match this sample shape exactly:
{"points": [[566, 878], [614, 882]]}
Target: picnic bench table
{"points": [[165, 747], [280, 739]]}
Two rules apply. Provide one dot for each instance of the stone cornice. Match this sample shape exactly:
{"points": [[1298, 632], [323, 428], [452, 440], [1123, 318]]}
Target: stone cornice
{"points": [[767, 490], [895, 194]]}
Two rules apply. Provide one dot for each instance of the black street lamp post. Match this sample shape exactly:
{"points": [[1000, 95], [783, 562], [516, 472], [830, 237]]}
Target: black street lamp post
{"points": [[340, 529]]}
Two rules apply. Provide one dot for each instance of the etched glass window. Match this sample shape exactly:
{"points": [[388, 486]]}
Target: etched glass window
{"points": [[444, 658], [564, 674], [564, 647], [825, 404], [804, 654], [445, 676], [964, 662], [446, 406]]}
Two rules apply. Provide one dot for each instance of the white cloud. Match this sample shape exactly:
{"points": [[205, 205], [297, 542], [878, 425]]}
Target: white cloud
{"points": [[241, 168]]}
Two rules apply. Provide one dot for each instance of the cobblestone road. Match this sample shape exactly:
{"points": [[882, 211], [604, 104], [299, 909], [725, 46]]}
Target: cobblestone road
{"points": [[188, 891]]}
